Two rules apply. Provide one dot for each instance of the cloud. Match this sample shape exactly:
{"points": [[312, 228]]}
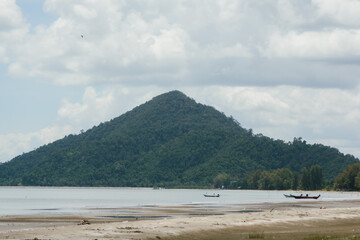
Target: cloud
{"points": [[14, 143], [328, 116], [92, 110], [328, 45], [102, 105], [96, 106], [342, 12], [10, 15], [283, 68], [157, 43], [115, 48], [12, 29]]}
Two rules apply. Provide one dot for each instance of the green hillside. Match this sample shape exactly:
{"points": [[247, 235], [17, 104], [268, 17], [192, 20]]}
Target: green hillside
{"points": [[168, 141]]}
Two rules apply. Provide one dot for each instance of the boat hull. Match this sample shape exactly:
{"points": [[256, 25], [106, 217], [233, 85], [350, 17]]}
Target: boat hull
{"points": [[306, 197], [301, 196], [215, 195]]}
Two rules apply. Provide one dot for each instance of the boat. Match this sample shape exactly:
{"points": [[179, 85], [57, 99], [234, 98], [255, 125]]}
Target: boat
{"points": [[211, 195], [305, 196], [288, 195]]}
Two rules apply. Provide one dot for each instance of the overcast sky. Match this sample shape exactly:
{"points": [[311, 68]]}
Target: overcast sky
{"points": [[284, 68]]}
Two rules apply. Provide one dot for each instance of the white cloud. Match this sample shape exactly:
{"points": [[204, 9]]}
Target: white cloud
{"points": [[96, 106], [102, 105], [117, 46], [14, 144], [12, 28], [169, 43], [334, 44], [84, 12], [327, 116], [93, 109], [162, 42], [10, 15], [283, 68], [341, 11]]}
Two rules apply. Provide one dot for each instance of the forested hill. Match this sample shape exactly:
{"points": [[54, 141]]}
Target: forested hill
{"points": [[168, 141]]}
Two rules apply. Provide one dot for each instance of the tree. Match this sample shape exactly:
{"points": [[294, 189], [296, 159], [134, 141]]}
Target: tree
{"points": [[316, 177], [251, 180], [265, 181], [305, 179], [349, 179], [357, 181], [312, 179], [222, 180], [295, 181], [279, 179]]}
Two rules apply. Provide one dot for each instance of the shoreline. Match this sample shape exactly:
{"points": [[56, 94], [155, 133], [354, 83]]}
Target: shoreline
{"points": [[179, 222], [153, 188]]}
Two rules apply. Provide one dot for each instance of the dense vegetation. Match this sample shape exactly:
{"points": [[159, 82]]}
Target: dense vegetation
{"points": [[349, 180], [170, 141], [277, 179]]}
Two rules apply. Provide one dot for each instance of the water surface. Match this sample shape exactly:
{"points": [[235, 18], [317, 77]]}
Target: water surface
{"points": [[53, 200]]}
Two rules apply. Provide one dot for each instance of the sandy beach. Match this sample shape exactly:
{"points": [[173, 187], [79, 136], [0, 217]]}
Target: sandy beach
{"points": [[299, 220]]}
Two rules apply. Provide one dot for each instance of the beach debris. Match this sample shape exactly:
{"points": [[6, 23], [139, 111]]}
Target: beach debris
{"points": [[84, 222], [322, 207], [127, 228]]}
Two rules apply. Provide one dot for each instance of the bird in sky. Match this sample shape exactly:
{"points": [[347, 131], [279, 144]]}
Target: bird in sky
{"points": [[82, 36]]}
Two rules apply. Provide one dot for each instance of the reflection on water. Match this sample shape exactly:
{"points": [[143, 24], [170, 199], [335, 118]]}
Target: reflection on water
{"points": [[39, 200]]}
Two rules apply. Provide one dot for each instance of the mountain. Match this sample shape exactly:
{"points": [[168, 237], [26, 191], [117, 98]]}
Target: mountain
{"points": [[168, 141]]}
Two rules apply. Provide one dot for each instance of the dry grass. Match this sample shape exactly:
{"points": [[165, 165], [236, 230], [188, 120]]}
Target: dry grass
{"points": [[316, 230]]}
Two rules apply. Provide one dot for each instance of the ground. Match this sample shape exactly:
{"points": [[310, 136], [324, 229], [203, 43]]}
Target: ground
{"points": [[301, 220]]}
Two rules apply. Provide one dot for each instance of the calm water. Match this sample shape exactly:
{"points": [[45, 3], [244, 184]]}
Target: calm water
{"points": [[28, 200]]}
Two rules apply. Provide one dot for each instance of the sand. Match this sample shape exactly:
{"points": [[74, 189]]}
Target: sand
{"points": [[298, 220]]}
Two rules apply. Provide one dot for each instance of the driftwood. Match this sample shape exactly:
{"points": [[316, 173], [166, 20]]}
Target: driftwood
{"points": [[84, 222]]}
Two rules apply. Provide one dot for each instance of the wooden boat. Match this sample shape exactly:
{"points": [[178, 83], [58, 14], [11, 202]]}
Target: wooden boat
{"points": [[305, 196], [211, 195], [288, 195]]}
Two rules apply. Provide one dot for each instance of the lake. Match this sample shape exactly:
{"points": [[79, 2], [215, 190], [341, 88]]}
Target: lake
{"points": [[54, 200]]}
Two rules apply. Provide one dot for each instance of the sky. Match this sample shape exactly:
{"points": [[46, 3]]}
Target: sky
{"points": [[284, 68]]}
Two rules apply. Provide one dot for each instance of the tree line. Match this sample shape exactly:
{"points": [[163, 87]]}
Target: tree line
{"points": [[349, 180], [310, 178]]}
